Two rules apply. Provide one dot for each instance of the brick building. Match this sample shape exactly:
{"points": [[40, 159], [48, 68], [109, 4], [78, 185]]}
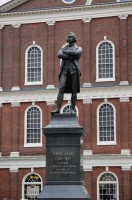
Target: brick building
{"points": [[31, 34]]}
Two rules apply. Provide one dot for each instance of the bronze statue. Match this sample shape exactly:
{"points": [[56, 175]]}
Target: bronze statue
{"points": [[69, 76]]}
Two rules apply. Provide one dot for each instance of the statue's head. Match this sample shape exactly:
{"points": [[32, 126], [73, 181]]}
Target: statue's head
{"points": [[71, 38]]}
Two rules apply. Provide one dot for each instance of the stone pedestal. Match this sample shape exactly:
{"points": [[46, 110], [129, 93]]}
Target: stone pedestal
{"points": [[63, 174]]}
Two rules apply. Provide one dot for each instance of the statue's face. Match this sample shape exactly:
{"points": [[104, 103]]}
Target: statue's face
{"points": [[71, 39]]}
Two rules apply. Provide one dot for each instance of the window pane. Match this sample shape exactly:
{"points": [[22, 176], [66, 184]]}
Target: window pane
{"points": [[105, 60], [107, 187], [106, 123], [33, 125], [34, 65], [32, 187]]}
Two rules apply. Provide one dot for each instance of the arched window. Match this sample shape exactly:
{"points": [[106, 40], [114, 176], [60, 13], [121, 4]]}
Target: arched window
{"points": [[33, 127], [33, 63], [31, 186], [105, 61], [107, 187], [106, 129], [66, 109]]}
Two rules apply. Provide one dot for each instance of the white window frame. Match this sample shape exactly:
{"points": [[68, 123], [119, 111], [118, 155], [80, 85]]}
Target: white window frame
{"points": [[98, 133], [97, 63], [98, 182], [26, 57], [72, 1], [68, 104], [25, 129], [23, 182]]}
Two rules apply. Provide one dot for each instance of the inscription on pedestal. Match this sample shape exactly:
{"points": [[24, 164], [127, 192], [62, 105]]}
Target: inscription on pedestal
{"points": [[63, 164]]}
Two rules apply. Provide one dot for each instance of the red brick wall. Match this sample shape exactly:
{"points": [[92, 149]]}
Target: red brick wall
{"points": [[12, 53], [9, 132], [99, 28], [39, 33], [30, 33], [12, 181], [7, 57], [103, 1], [5, 184], [6, 130], [129, 42], [45, 4]]}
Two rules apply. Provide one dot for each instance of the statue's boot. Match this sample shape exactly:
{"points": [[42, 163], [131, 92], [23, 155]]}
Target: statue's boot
{"points": [[73, 102], [58, 103]]}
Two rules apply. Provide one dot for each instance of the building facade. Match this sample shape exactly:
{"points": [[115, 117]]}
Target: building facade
{"points": [[31, 34]]}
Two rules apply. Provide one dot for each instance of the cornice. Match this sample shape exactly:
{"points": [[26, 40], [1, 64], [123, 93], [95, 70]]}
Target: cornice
{"points": [[88, 161], [12, 4], [50, 95], [67, 13], [22, 162], [111, 160]]}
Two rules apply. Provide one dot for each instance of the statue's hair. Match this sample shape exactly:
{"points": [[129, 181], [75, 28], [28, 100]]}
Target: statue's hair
{"points": [[73, 34]]}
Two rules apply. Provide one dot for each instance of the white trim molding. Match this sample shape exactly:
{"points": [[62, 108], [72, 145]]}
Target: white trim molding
{"points": [[16, 25], [87, 101], [1, 89], [64, 13], [14, 154], [1, 26], [86, 85], [86, 19], [126, 167], [126, 152], [123, 16], [124, 83], [15, 104], [38, 161], [14, 169], [106, 160], [124, 99], [1, 105], [50, 102], [43, 94], [50, 23], [15, 88], [50, 87]]}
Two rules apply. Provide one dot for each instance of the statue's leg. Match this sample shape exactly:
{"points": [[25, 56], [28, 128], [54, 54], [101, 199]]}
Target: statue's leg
{"points": [[60, 96], [74, 92]]}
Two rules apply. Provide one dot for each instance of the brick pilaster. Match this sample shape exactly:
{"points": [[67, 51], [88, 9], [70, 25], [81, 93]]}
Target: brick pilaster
{"points": [[51, 54], [0, 124], [16, 57], [124, 106], [86, 51], [88, 181], [127, 184], [15, 126], [87, 124], [1, 55], [123, 49], [14, 184]]}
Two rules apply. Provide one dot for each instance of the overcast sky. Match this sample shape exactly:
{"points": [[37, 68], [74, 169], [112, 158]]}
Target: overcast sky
{"points": [[3, 2]]}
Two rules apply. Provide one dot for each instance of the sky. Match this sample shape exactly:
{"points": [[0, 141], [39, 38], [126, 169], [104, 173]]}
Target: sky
{"points": [[3, 2]]}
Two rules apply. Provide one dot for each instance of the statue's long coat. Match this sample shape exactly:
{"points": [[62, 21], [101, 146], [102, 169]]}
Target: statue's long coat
{"points": [[75, 53]]}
